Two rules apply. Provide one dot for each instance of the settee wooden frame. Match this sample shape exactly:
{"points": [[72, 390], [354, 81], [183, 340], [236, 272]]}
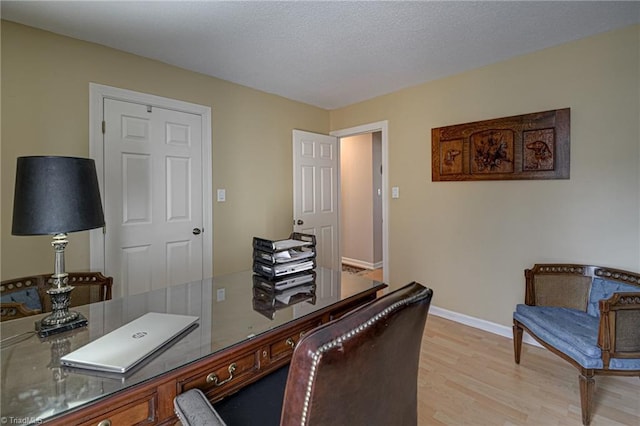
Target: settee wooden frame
{"points": [[621, 307]]}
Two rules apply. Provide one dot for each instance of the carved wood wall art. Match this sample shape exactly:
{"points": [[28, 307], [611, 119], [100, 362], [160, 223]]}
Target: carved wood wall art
{"points": [[529, 146]]}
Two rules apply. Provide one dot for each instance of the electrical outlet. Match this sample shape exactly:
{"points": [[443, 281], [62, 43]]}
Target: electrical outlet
{"points": [[222, 195], [395, 192]]}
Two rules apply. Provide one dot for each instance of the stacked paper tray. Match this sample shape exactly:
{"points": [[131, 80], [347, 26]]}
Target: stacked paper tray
{"points": [[285, 283], [284, 269], [285, 256], [296, 239]]}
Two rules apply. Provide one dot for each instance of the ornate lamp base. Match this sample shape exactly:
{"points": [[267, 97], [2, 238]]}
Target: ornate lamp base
{"points": [[61, 318], [45, 330]]}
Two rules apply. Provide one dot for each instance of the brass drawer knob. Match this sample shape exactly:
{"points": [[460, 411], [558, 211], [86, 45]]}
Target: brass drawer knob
{"points": [[105, 422], [290, 342], [213, 378]]}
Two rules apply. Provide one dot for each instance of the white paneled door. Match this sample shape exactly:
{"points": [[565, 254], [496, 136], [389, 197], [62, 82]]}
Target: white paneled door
{"points": [[152, 196], [315, 193]]}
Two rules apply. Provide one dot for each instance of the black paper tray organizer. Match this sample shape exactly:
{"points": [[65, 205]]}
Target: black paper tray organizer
{"points": [[278, 258]]}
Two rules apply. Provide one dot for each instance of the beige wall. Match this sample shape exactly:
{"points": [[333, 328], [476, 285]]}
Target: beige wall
{"points": [[45, 99], [471, 241]]}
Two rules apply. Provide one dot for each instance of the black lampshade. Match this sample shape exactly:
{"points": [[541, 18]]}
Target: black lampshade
{"points": [[56, 195]]}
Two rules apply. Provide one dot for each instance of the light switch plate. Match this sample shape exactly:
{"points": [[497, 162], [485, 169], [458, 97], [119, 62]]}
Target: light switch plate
{"points": [[220, 295], [395, 192], [222, 195]]}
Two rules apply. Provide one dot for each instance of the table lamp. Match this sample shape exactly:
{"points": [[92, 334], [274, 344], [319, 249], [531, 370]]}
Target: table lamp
{"points": [[55, 196]]}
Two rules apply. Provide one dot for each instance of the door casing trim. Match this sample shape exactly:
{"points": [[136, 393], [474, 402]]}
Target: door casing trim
{"points": [[97, 94]]}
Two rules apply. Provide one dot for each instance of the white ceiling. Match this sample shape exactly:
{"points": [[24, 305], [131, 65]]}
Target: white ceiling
{"points": [[328, 54]]}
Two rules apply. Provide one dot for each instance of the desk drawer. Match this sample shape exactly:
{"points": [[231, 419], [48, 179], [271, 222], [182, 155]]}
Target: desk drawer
{"points": [[140, 412], [284, 347], [220, 376]]}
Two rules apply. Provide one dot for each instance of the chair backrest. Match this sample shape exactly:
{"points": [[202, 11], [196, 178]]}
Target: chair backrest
{"points": [[360, 369]]}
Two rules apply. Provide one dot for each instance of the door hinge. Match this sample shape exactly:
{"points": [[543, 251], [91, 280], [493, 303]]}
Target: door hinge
{"points": [[104, 127]]}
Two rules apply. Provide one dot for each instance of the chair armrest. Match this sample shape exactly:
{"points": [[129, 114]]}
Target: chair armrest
{"points": [[618, 333], [193, 409]]}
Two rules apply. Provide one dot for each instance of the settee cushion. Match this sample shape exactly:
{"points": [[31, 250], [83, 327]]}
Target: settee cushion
{"points": [[604, 289], [572, 332]]}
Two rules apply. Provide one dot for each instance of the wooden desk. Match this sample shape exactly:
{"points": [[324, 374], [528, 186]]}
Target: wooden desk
{"points": [[240, 338]]}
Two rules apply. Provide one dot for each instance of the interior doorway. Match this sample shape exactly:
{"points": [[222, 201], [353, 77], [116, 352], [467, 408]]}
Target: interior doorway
{"points": [[361, 202], [377, 269]]}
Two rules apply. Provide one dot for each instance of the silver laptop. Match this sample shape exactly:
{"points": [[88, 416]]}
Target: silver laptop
{"points": [[124, 347]]}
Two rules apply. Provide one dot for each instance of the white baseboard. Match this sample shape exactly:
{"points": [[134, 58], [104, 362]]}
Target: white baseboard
{"points": [[481, 324], [361, 263]]}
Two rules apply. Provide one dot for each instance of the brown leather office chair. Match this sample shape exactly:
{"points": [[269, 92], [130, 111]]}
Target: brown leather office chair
{"points": [[360, 369]]}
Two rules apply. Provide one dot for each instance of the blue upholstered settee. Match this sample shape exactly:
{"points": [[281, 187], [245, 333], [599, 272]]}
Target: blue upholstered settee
{"points": [[588, 315]]}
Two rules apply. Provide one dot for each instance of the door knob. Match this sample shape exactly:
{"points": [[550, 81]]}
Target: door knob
{"points": [[196, 231], [300, 222]]}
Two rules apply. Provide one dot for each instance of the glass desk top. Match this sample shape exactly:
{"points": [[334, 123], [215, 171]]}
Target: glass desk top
{"points": [[232, 309]]}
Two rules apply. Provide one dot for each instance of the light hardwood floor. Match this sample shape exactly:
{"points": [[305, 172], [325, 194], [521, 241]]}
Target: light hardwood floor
{"points": [[468, 377], [373, 274]]}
